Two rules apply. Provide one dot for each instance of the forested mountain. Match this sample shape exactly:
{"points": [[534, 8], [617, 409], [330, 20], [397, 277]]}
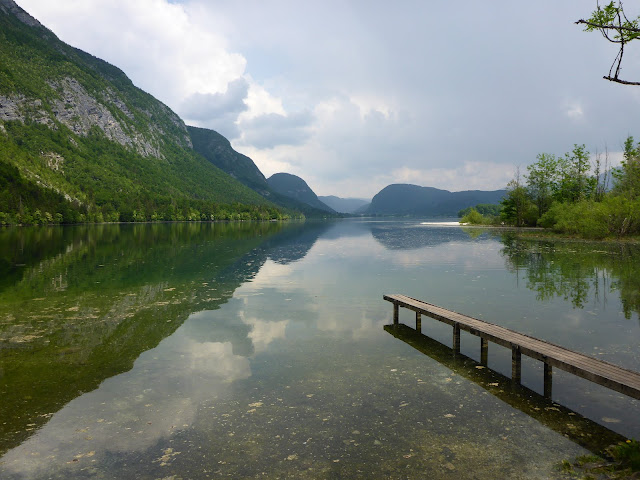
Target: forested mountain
{"points": [[404, 199], [79, 142], [217, 149], [294, 187], [343, 205]]}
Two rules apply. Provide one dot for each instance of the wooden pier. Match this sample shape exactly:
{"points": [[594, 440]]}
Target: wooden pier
{"points": [[603, 373]]}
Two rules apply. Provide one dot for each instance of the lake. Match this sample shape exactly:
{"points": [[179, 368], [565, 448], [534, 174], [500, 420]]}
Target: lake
{"points": [[263, 350]]}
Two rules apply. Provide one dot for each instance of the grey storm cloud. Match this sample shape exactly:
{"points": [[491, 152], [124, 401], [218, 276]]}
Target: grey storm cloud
{"points": [[218, 110], [268, 131]]}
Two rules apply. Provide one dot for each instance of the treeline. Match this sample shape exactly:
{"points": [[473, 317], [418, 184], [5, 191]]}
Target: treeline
{"points": [[571, 196], [24, 202]]}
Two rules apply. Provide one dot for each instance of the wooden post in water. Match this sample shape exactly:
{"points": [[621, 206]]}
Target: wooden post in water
{"points": [[516, 364], [548, 379], [484, 351], [395, 313], [456, 338], [418, 322]]}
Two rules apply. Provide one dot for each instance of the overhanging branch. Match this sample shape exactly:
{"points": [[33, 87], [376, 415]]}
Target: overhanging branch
{"points": [[618, 80]]}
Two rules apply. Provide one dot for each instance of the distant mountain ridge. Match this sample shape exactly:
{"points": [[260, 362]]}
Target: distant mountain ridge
{"points": [[407, 199], [294, 187], [344, 205]]}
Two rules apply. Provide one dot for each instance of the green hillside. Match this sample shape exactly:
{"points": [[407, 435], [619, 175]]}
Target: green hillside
{"points": [[217, 149], [84, 144]]}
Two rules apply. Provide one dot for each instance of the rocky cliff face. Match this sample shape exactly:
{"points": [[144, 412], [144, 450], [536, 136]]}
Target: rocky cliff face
{"points": [[10, 7], [74, 106]]}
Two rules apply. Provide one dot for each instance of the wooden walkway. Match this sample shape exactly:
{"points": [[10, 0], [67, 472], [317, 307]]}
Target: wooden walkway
{"points": [[597, 371]]}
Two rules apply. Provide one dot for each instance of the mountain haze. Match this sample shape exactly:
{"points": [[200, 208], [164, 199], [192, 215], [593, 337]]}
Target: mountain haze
{"points": [[406, 199], [343, 205], [78, 139]]}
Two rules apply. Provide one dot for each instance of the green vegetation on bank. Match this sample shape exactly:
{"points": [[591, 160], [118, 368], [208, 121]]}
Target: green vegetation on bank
{"points": [[570, 196], [481, 214]]}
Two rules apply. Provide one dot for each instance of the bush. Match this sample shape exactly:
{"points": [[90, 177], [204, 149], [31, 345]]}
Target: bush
{"points": [[474, 217], [614, 216]]}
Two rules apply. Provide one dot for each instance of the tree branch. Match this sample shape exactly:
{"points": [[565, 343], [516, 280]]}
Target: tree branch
{"points": [[617, 80], [608, 27]]}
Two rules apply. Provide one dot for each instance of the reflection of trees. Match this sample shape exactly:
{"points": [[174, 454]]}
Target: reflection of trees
{"points": [[577, 271], [105, 294]]}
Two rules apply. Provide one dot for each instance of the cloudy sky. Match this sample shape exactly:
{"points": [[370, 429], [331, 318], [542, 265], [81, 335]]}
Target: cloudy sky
{"points": [[355, 95]]}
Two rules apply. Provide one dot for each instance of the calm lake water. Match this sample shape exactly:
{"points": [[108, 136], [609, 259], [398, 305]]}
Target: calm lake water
{"points": [[264, 351]]}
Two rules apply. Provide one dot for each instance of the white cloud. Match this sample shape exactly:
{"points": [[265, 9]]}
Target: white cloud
{"points": [[574, 110], [218, 111], [272, 129]]}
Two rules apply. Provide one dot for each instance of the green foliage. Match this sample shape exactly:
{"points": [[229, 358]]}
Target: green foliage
{"points": [[517, 208], [608, 16], [542, 181], [562, 195], [614, 216], [474, 217], [628, 175], [627, 454], [574, 182], [614, 25], [486, 209]]}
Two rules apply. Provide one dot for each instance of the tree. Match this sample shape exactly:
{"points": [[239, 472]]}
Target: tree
{"points": [[628, 174], [613, 24], [542, 181], [575, 183], [515, 204]]}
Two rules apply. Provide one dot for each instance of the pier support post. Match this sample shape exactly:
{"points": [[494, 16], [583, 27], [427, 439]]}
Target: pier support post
{"points": [[395, 313], [548, 379], [456, 338], [484, 351], [418, 322], [516, 364]]}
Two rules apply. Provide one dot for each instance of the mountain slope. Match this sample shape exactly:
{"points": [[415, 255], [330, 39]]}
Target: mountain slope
{"points": [[405, 199], [294, 187], [75, 125], [217, 149], [343, 205]]}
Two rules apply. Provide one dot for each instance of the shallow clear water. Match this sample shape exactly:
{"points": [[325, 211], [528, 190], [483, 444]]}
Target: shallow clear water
{"points": [[260, 350]]}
